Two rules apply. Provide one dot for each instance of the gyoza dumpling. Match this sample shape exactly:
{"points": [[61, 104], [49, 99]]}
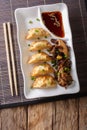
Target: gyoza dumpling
{"points": [[44, 82], [39, 45], [34, 33], [42, 69], [39, 57]]}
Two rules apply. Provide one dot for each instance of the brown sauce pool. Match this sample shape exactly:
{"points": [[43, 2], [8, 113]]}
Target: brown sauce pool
{"points": [[53, 21]]}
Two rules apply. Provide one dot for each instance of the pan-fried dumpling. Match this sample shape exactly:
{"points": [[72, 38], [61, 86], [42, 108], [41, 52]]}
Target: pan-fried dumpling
{"points": [[34, 33], [42, 69], [39, 45], [39, 57], [44, 82]]}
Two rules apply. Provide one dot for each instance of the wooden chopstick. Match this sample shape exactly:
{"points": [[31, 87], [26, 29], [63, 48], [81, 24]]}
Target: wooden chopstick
{"points": [[12, 57], [9, 51], [8, 57]]}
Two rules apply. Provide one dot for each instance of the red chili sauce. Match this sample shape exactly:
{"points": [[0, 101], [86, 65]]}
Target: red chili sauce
{"points": [[53, 21]]}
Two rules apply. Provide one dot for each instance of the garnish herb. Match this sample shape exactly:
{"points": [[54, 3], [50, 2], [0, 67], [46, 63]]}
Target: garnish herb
{"points": [[65, 56], [37, 19], [39, 51], [32, 78], [66, 69], [57, 52], [45, 36], [31, 22], [36, 30], [53, 62], [28, 44], [56, 66], [58, 74]]}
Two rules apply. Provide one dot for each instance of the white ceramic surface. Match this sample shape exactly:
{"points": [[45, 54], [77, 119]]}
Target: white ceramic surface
{"points": [[23, 16]]}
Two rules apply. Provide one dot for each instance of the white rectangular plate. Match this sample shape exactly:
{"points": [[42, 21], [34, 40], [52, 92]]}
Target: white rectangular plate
{"points": [[23, 16]]}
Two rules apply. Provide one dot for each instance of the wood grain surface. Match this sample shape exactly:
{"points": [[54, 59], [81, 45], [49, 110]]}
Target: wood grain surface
{"points": [[59, 115], [70, 114]]}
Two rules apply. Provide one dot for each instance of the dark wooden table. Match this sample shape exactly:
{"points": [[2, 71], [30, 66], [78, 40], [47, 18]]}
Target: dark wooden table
{"points": [[70, 114]]}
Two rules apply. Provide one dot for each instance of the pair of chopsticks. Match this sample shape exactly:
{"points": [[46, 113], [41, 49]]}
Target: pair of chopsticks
{"points": [[10, 57]]}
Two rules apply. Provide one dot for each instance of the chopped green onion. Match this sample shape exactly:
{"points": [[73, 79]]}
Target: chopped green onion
{"points": [[45, 36], [39, 51], [66, 69], [53, 62], [56, 66], [65, 56], [58, 74], [57, 52], [30, 22], [32, 78], [37, 19], [36, 30], [28, 44]]}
